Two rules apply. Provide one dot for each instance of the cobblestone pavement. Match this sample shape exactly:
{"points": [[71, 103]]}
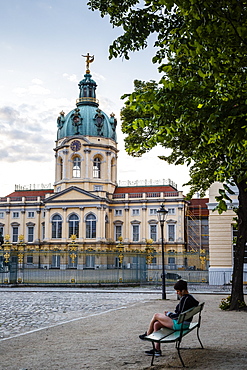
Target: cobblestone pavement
{"points": [[23, 311], [26, 309]]}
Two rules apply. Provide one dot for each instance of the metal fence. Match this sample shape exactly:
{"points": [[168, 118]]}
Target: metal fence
{"points": [[95, 268]]}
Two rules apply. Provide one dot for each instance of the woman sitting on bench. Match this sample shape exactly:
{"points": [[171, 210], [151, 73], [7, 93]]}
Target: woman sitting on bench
{"points": [[169, 319]]}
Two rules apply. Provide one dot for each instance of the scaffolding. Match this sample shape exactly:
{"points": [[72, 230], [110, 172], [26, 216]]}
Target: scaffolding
{"points": [[194, 228]]}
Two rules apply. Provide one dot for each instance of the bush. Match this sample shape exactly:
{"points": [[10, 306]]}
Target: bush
{"points": [[225, 303]]}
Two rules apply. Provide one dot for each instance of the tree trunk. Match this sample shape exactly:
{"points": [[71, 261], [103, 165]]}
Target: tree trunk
{"points": [[237, 295]]}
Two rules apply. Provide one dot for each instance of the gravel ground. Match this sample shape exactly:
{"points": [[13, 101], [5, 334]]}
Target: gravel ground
{"points": [[100, 331]]}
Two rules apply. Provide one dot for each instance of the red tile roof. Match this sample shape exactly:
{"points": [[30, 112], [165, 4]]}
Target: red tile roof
{"points": [[144, 189], [30, 193]]}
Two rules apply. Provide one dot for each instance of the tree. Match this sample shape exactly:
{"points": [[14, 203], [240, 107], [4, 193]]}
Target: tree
{"points": [[198, 108]]}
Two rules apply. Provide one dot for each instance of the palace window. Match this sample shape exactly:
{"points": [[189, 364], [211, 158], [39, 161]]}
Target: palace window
{"points": [[55, 261], [118, 212], [15, 234], [1, 214], [153, 232], [30, 214], [30, 259], [136, 232], [90, 262], [153, 211], [171, 211], [171, 233], [74, 225], [135, 212], [56, 227], [171, 260], [96, 167], [16, 214], [76, 167], [30, 233], [91, 226], [98, 188], [118, 231], [43, 230]]}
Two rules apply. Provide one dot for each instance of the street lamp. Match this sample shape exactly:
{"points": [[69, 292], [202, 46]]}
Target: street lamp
{"points": [[162, 212]]}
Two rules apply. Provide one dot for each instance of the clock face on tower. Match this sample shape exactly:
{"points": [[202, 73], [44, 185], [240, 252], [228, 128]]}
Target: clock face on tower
{"points": [[75, 145]]}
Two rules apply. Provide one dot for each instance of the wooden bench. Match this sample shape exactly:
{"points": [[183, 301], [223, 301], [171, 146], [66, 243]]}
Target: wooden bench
{"points": [[166, 335]]}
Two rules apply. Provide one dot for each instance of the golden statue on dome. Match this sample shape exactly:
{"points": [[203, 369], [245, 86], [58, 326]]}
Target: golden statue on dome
{"points": [[89, 59]]}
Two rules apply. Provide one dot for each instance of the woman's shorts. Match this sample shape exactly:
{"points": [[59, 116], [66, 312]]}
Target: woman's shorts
{"points": [[177, 326]]}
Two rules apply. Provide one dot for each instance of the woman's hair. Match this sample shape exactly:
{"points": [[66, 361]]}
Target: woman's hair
{"points": [[180, 285]]}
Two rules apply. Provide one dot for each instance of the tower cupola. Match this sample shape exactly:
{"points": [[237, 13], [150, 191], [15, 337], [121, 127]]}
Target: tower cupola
{"points": [[87, 86], [87, 119]]}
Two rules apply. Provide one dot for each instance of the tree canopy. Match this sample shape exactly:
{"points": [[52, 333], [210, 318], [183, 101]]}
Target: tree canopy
{"points": [[198, 108]]}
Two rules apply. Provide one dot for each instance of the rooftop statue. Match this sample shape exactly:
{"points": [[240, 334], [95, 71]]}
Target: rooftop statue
{"points": [[89, 59]]}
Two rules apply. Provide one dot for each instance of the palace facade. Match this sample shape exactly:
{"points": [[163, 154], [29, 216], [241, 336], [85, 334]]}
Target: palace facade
{"points": [[87, 210]]}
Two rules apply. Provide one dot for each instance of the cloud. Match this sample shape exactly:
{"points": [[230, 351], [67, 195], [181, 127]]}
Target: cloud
{"points": [[26, 135], [37, 81], [98, 77], [31, 90], [20, 90], [38, 90], [72, 78], [107, 105]]}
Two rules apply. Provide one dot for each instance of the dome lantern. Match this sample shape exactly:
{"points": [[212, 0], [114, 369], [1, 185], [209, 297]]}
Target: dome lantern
{"points": [[86, 119]]}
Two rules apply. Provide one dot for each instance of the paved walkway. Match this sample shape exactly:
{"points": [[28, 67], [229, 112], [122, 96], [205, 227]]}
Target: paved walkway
{"points": [[29, 308]]}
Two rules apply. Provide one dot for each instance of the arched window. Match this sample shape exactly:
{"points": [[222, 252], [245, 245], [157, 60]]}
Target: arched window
{"points": [[96, 167], [60, 169], [74, 225], [106, 226], [113, 169], [91, 226], [76, 167], [56, 227]]}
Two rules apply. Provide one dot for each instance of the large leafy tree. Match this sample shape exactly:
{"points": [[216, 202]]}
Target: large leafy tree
{"points": [[198, 108]]}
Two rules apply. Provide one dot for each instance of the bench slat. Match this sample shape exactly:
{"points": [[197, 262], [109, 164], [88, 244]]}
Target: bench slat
{"points": [[176, 334], [189, 313], [168, 335], [158, 335]]}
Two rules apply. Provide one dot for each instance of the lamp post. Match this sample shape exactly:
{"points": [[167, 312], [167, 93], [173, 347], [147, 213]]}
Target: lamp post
{"points": [[162, 212]]}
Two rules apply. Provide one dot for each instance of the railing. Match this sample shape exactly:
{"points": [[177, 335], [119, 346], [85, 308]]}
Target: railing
{"points": [[118, 196], [24, 199], [171, 194], [135, 195], [147, 182], [148, 195], [87, 99], [153, 195], [30, 199]]}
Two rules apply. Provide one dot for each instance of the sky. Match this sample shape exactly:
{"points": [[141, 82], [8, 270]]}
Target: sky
{"points": [[42, 43]]}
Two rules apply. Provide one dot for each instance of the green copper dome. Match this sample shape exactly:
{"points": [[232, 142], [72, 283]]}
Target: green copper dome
{"points": [[86, 119]]}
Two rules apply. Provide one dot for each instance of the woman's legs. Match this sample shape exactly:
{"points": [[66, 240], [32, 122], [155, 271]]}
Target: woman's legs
{"points": [[158, 321], [163, 321]]}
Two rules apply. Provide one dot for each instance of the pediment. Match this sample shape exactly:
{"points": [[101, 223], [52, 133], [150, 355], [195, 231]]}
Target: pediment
{"points": [[71, 194]]}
